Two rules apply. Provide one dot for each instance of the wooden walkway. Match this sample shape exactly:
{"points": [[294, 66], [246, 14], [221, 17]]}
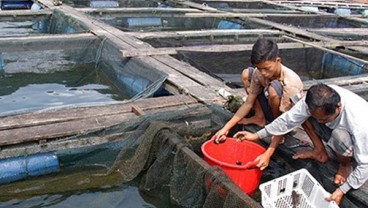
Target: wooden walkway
{"points": [[191, 88]]}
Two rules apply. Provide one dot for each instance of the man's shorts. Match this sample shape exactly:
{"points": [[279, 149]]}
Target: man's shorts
{"points": [[339, 139]]}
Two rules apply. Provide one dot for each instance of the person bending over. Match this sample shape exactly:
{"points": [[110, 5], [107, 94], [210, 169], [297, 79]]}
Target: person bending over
{"points": [[343, 125]]}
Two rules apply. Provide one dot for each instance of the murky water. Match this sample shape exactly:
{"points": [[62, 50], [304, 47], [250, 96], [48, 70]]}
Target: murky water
{"points": [[82, 85]]}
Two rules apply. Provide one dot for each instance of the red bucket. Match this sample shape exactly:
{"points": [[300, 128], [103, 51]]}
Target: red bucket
{"points": [[237, 160]]}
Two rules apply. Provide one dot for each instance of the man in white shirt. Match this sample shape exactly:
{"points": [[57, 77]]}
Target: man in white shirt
{"points": [[346, 115]]}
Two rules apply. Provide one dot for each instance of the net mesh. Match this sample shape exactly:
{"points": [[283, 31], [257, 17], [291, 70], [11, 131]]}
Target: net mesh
{"points": [[162, 150]]}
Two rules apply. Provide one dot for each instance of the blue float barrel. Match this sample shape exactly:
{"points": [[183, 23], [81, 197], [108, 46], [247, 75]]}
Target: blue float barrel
{"points": [[2, 63], [224, 24], [16, 168], [144, 21]]}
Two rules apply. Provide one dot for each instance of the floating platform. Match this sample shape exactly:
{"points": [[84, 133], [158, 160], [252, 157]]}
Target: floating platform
{"points": [[163, 61]]}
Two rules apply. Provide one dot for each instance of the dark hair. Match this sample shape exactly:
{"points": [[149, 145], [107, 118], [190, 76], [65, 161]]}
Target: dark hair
{"points": [[321, 95], [264, 50]]}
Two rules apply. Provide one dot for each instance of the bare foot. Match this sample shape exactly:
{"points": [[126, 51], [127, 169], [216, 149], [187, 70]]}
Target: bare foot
{"points": [[320, 156], [253, 120], [342, 174]]}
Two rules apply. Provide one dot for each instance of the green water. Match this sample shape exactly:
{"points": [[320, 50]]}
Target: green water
{"points": [[79, 85], [78, 190]]}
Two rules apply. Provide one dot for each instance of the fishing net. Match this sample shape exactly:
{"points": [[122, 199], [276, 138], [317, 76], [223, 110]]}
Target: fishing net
{"points": [[70, 69], [162, 150]]}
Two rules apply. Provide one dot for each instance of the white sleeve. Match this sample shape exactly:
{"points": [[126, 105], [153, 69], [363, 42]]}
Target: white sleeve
{"points": [[287, 121], [360, 174]]}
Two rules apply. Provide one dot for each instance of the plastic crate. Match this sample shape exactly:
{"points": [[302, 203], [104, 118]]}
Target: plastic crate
{"points": [[294, 190]]}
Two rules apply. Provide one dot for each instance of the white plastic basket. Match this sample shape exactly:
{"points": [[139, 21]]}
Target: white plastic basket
{"points": [[295, 190]]}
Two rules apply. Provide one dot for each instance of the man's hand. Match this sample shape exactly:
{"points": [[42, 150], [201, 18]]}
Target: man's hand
{"points": [[263, 160], [242, 135], [336, 196]]}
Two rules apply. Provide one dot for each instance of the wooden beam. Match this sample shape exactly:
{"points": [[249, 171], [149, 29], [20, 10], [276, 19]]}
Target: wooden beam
{"points": [[328, 50], [87, 125], [136, 10], [46, 42], [341, 31], [259, 15], [203, 33], [325, 4], [11, 15], [208, 48], [69, 114]]}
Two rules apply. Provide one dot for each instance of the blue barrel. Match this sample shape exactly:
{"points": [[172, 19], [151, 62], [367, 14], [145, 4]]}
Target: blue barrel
{"points": [[11, 4], [2, 63], [16, 168], [104, 4], [224, 24], [144, 21], [135, 84]]}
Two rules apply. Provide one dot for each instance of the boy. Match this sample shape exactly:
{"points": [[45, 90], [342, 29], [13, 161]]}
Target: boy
{"points": [[271, 88]]}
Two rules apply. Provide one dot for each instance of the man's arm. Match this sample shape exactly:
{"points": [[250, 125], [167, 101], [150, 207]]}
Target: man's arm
{"points": [[286, 122]]}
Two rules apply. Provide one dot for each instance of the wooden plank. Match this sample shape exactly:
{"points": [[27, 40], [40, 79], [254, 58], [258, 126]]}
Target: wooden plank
{"points": [[360, 49], [137, 10], [291, 29], [259, 15], [341, 31], [202, 33], [326, 4], [328, 50], [207, 48], [47, 42], [80, 127], [61, 129], [12, 15], [77, 113], [187, 70], [341, 81]]}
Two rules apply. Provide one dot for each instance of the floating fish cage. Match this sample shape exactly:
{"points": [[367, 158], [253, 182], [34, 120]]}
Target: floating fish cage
{"points": [[59, 68], [120, 128], [308, 62], [45, 22], [239, 5], [317, 21], [116, 3], [15, 4], [167, 20], [208, 37]]}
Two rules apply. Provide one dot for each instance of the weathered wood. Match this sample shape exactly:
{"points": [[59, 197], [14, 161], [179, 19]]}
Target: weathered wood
{"points": [[188, 70], [61, 129], [203, 33], [79, 127], [341, 31], [137, 110], [12, 15], [328, 50], [135, 11], [77, 113], [47, 42], [326, 4], [291, 29], [345, 81], [208, 48], [263, 15], [60, 144]]}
